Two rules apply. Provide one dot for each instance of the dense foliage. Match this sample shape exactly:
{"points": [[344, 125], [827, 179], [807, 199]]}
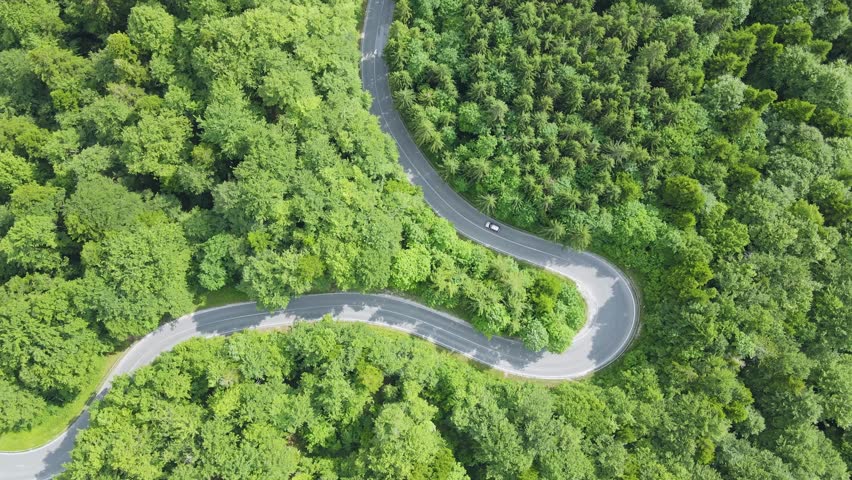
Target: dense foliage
{"points": [[705, 146], [331, 400], [153, 152]]}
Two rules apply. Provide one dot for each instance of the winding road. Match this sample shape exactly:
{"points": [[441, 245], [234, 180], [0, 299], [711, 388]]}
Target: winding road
{"points": [[611, 302]]}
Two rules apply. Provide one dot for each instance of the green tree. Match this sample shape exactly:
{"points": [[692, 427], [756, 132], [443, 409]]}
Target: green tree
{"points": [[20, 408], [23, 23], [45, 342], [289, 87], [32, 244], [14, 172], [275, 277], [157, 145], [405, 443], [411, 267], [98, 206], [136, 276], [151, 28], [684, 194], [219, 261]]}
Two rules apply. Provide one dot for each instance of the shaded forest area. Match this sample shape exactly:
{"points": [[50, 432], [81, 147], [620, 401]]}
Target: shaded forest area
{"points": [[703, 145], [153, 152]]}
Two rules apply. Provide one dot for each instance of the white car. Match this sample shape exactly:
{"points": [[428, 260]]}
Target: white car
{"points": [[492, 226]]}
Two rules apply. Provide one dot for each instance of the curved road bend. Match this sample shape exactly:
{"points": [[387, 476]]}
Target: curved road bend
{"points": [[504, 354], [611, 303]]}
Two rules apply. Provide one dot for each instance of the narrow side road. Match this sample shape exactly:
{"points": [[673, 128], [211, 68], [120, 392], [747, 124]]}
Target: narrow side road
{"points": [[611, 303]]}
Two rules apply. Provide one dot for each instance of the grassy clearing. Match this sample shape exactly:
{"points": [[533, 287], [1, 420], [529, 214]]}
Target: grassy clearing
{"points": [[60, 417], [223, 296]]}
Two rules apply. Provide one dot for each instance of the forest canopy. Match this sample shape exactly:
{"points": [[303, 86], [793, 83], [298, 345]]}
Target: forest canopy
{"points": [[702, 145], [153, 152], [705, 146], [333, 400]]}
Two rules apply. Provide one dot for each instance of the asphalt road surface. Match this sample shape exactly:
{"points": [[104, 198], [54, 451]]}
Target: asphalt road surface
{"points": [[611, 303]]}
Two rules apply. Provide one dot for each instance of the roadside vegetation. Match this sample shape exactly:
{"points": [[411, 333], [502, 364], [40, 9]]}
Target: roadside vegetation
{"points": [[705, 146], [334, 400], [154, 152], [57, 417]]}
